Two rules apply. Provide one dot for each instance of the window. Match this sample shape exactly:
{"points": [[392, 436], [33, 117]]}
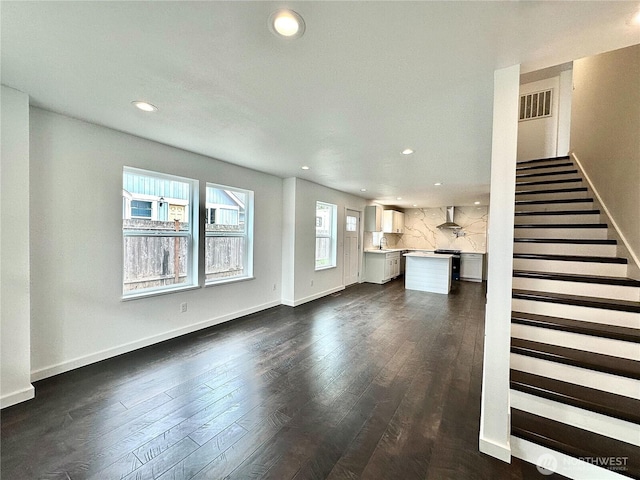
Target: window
{"points": [[228, 234], [326, 223], [159, 232]]}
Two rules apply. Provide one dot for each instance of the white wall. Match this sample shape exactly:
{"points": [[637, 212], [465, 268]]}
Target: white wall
{"points": [[494, 419], [15, 356], [306, 283], [76, 245], [605, 134]]}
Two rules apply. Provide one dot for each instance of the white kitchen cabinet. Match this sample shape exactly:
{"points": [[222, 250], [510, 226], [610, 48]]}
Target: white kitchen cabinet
{"points": [[471, 265], [381, 267], [392, 221], [372, 218]]}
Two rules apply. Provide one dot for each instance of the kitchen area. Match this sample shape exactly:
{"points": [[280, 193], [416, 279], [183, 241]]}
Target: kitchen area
{"points": [[431, 247]]}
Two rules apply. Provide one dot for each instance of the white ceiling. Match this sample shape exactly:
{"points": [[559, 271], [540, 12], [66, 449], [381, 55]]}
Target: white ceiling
{"points": [[365, 81]]}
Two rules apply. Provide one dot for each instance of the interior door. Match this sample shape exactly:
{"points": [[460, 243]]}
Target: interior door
{"points": [[351, 250]]}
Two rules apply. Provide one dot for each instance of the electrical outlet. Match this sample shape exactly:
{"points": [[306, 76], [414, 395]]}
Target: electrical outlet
{"points": [[183, 307]]}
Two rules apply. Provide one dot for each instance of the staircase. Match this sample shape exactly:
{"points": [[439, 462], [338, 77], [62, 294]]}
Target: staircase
{"points": [[575, 331]]}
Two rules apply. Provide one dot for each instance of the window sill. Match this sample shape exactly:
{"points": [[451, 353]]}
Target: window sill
{"points": [[326, 268], [231, 280], [156, 293]]}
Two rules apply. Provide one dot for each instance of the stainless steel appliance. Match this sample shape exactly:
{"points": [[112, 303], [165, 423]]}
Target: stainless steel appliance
{"points": [[455, 261]]}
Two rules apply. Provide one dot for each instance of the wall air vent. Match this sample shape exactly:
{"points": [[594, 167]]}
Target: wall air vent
{"points": [[535, 105]]}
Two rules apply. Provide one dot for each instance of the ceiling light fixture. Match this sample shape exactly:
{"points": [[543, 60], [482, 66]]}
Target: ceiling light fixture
{"points": [[437, 184], [407, 151], [476, 203], [398, 198], [144, 106], [635, 20], [363, 189], [286, 23], [305, 167]]}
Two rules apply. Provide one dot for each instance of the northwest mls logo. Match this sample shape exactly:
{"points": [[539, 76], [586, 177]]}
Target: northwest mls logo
{"points": [[547, 464]]}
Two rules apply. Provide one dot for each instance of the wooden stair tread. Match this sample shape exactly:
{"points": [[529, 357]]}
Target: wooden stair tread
{"points": [[575, 277], [604, 303], [599, 401], [577, 241], [538, 160], [554, 201], [576, 442], [623, 367], [531, 213], [562, 225], [549, 182], [544, 174], [615, 332], [552, 190], [571, 258], [540, 167]]}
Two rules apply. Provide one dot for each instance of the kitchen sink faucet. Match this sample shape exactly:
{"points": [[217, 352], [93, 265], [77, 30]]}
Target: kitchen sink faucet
{"points": [[383, 238]]}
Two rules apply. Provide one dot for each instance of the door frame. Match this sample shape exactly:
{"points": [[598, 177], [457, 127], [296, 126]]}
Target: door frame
{"points": [[360, 243]]}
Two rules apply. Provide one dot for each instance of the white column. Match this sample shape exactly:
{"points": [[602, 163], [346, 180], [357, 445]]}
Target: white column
{"points": [[494, 418], [15, 313]]}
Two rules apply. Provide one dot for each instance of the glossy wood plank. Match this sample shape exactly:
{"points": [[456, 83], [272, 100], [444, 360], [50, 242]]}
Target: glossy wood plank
{"points": [[373, 382]]}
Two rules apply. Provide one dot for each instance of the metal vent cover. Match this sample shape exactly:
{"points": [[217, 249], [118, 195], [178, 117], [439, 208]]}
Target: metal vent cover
{"points": [[535, 105]]}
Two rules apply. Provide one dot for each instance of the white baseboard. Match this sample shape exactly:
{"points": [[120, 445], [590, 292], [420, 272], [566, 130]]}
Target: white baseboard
{"points": [[145, 342], [562, 464], [315, 296], [496, 450], [17, 397]]}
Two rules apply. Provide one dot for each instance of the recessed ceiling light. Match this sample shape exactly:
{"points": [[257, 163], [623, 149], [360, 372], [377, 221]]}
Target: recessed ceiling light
{"points": [[363, 189], [398, 198], [476, 203], [407, 151], [286, 23], [437, 184], [305, 167], [415, 205], [635, 20], [144, 106]]}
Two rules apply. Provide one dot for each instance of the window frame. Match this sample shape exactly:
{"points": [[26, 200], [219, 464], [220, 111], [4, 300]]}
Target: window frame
{"points": [[332, 236], [191, 234], [247, 234]]}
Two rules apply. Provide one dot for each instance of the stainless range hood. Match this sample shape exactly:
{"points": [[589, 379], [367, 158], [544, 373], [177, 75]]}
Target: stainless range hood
{"points": [[449, 223]]}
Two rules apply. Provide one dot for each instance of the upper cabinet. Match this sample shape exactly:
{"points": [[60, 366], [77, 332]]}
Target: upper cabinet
{"points": [[373, 218], [392, 221]]}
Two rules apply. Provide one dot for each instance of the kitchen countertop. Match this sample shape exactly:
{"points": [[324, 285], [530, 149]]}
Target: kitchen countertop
{"points": [[392, 250]]}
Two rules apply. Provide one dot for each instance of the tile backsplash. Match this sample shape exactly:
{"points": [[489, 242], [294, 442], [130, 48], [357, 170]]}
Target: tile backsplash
{"points": [[420, 230]]}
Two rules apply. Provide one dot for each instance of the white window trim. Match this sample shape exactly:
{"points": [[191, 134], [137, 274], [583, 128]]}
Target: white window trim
{"points": [[247, 235], [192, 233], [333, 236]]}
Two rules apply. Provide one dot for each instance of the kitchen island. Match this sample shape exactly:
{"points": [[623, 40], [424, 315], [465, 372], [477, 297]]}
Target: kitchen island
{"points": [[428, 272]]}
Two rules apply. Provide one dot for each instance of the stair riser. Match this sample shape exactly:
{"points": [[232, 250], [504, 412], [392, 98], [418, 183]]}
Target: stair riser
{"points": [[582, 268], [521, 185], [579, 233], [574, 312], [555, 219], [567, 466], [551, 196], [605, 346], [596, 290], [587, 420], [565, 249], [554, 207], [576, 375]]}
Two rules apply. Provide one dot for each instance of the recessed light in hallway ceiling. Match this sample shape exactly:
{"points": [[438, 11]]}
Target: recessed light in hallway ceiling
{"points": [[144, 106]]}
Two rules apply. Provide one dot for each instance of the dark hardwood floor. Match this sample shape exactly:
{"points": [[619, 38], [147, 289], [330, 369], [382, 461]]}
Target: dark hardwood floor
{"points": [[375, 382]]}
